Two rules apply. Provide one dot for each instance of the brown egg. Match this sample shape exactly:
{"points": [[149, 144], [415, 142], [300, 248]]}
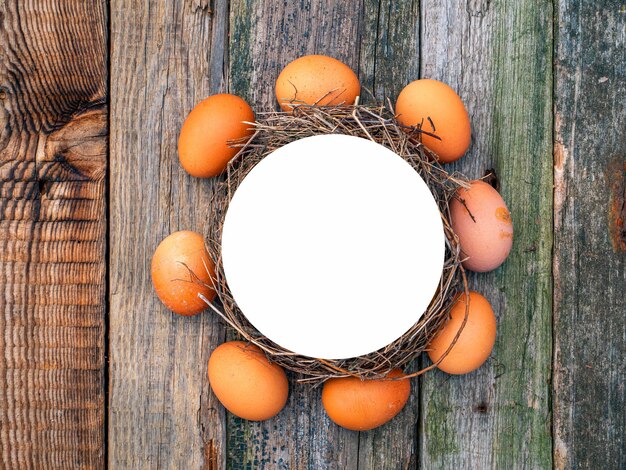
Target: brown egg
{"points": [[483, 224], [360, 405], [475, 342], [246, 383], [202, 145], [179, 273], [316, 79], [440, 111]]}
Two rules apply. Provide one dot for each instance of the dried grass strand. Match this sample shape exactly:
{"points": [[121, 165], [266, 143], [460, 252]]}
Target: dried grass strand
{"points": [[377, 123]]}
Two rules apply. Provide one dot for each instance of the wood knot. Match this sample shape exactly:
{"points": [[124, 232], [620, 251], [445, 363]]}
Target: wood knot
{"points": [[81, 144], [492, 179], [482, 408]]}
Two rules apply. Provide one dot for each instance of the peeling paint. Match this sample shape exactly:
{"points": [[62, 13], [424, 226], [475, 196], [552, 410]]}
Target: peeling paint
{"points": [[616, 178]]}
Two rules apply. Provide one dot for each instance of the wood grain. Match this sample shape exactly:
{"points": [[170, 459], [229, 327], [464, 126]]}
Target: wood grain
{"points": [[53, 157], [165, 56], [381, 43], [264, 37], [590, 236], [389, 58], [498, 56], [389, 52]]}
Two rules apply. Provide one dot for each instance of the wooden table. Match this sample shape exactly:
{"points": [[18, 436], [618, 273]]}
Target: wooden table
{"points": [[94, 370]]}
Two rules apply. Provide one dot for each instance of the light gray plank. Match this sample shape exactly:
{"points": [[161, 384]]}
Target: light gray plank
{"points": [[165, 57]]}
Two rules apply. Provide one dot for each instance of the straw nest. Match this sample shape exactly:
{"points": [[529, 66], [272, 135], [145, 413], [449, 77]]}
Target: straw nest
{"points": [[276, 129]]}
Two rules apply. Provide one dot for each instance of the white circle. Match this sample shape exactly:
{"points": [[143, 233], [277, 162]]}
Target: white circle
{"points": [[333, 246]]}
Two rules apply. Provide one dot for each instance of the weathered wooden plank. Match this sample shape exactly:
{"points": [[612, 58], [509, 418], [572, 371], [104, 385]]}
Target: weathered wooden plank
{"points": [[389, 52], [53, 117], [590, 235], [265, 36], [382, 44], [165, 57], [498, 56], [389, 58]]}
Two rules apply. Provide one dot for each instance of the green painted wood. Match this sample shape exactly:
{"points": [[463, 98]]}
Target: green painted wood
{"points": [[590, 235], [498, 56], [165, 57]]}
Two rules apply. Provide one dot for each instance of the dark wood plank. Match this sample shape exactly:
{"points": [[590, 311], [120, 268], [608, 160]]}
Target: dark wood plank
{"points": [[590, 235], [389, 58], [382, 44], [389, 52], [498, 56], [265, 36], [165, 57], [53, 157]]}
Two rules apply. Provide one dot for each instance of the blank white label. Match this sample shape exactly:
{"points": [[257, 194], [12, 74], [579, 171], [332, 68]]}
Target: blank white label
{"points": [[333, 246]]}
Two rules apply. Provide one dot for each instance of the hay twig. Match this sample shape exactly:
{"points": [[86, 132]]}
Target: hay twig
{"points": [[377, 123]]}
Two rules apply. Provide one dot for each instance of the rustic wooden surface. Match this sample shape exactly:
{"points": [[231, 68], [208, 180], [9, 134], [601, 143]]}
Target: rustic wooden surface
{"points": [[53, 155], [165, 57], [590, 236], [498, 55], [264, 37], [545, 85]]}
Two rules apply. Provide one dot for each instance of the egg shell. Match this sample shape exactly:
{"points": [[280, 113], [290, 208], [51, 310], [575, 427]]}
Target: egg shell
{"points": [[481, 220], [476, 340], [202, 145], [179, 273], [316, 79], [360, 405], [440, 111], [246, 382]]}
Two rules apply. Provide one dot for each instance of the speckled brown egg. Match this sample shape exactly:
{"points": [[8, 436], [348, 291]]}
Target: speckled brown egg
{"points": [[316, 79], [439, 111], [181, 269], [481, 219], [246, 382], [475, 341]]}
